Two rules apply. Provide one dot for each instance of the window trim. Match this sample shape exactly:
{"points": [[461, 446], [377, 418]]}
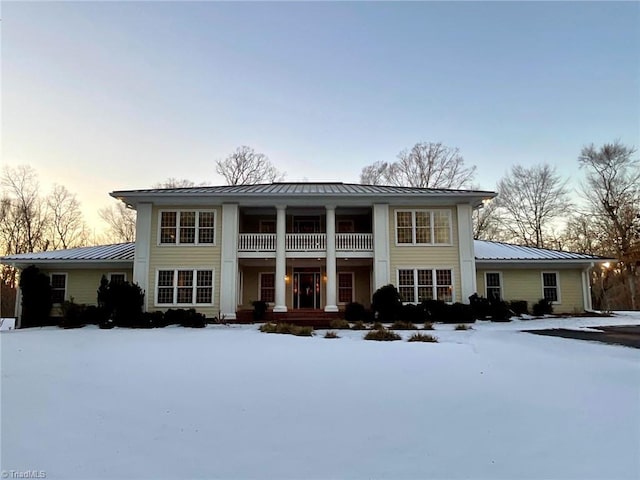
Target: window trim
{"points": [[353, 287], [66, 286], [117, 273], [486, 285], [431, 212], [557, 287], [196, 242], [435, 283], [260, 274], [194, 287]]}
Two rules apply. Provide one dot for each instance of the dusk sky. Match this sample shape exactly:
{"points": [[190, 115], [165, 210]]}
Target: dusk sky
{"points": [[106, 96]]}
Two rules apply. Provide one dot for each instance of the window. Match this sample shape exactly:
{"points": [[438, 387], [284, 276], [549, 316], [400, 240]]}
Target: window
{"points": [[268, 287], [184, 287], [58, 287], [345, 226], [345, 287], [423, 227], [117, 278], [550, 286], [493, 285], [419, 284], [187, 227]]}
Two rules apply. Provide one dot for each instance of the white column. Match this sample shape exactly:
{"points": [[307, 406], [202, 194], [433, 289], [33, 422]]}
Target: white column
{"points": [[331, 305], [229, 264], [467, 252], [142, 251], [381, 235], [586, 289], [281, 258]]}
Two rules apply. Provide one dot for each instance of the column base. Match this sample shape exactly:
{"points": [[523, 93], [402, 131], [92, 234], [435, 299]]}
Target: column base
{"points": [[280, 309], [331, 308]]}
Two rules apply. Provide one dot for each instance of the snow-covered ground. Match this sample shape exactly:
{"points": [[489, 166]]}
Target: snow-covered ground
{"points": [[230, 402]]}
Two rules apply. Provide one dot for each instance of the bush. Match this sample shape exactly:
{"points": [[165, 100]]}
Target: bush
{"points": [[377, 326], [435, 310], [382, 335], [107, 324], [36, 297], [412, 313], [185, 318], [461, 313], [72, 315], [386, 303], [519, 307], [331, 334], [500, 311], [359, 325], [543, 307], [355, 312], [155, 319], [422, 337], [122, 302], [398, 325], [428, 326], [287, 329], [92, 315], [463, 326], [259, 310], [480, 306], [339, 324]]}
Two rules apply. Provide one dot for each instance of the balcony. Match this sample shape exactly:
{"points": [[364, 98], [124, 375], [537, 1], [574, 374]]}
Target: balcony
{"points": [[305, 244]]}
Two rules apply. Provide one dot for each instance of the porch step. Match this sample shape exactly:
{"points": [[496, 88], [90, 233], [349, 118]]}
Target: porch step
{"points": [[314, 318]]}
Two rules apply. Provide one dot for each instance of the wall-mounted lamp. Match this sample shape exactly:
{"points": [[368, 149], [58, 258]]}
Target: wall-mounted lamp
{"points": [[286, 279]]}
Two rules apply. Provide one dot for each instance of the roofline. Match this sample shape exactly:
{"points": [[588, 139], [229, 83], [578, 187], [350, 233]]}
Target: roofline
{"points": [[575, 261], [35, 261]]}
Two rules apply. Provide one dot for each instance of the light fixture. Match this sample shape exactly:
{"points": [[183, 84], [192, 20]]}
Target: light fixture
{"points": [[606, 265]]}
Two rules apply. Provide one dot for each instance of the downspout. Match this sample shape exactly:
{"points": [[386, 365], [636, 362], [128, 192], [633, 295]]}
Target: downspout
{"points": [[586, 288]]}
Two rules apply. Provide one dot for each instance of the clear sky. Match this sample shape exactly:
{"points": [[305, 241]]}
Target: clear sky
{"points": [[106, 96]]}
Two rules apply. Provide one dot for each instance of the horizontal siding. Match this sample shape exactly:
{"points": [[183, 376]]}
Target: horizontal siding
{"points": [[171, 257], [526, 284], [82, 285], [426, 256]]}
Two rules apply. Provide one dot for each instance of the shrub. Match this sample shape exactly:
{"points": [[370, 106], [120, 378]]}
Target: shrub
{"points": [[156, 319], [422, 337], [286, 328], [36, 297], [377, 326], [122, 302], [461, 313], [500, 311], [186, 318], [435, 310], [382, 335], [359, 325], [428, 326], [72, 315], [519, 307], [355, 312], [412, 313], [259, 310], [463, 326], [386, 303], [542, 307], [92, 315], [480, 306], [107, 323], [331, 334], [398, 325], [339, 324]]}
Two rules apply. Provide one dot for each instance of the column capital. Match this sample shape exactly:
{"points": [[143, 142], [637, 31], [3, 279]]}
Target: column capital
{"points": [[281, 207], [330, 207]]}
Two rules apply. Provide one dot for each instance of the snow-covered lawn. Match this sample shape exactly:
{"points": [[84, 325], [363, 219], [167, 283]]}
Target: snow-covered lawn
{"points": [[230, 402]]}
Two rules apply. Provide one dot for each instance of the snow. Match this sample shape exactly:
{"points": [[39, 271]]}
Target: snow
{"points": [[231, 402]]}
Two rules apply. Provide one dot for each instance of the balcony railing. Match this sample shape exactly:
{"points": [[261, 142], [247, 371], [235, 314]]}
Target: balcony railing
{"points": [[305, 242]]}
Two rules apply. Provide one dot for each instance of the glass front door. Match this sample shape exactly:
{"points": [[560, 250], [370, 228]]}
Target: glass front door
{"points": [[306, 290]]}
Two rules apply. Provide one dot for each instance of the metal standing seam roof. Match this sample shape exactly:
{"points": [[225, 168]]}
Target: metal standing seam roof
{"points": [[283, 188], [115, 252], [496, 251]]}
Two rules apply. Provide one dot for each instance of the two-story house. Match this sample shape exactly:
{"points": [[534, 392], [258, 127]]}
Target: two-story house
{"points": [[311, 246]]}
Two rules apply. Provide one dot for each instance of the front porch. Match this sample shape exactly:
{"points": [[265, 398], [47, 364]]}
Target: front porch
{"points": [[316, 318]]}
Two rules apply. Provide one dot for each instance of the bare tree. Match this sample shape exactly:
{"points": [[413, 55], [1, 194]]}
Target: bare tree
{"points": [[67, 225], [245, 166], [121, 223], [530, 200], [487, 221], [24, 218], [425, 165], [172, 182], [612, 190]]}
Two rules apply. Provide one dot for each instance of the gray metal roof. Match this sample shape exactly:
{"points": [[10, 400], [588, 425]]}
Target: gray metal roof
{"points": [[302, 188], [498, 251], [119, 252]]}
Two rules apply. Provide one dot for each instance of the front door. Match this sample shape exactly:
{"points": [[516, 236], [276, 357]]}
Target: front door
{"points": [[306, 290]]}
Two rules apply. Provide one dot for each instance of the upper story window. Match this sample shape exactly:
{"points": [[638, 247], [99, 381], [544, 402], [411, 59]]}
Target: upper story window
{"points": [[187, 227], [423, 227]]}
